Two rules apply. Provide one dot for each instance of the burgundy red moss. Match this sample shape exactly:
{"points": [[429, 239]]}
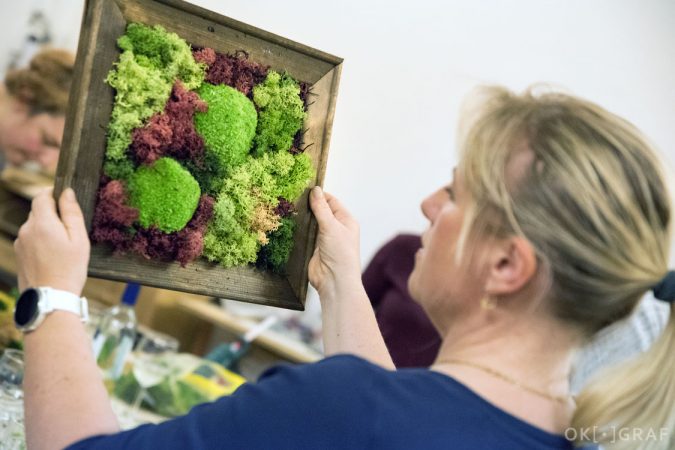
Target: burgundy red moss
{"points": [[172, 132], [284, 208], [113, 224], [112, 217], [235, 70]]}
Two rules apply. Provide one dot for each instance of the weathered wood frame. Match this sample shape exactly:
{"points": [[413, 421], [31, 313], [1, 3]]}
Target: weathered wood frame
{"points": [[91, 102]]}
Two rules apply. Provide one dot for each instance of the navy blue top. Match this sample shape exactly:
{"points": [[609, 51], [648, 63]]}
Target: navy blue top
{"points": [[342, 402]]}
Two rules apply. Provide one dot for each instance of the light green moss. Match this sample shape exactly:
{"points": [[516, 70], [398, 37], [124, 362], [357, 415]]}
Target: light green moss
{"points": [[281, 113], [228, 127], [231, 238], [151, 61], [165, 194]]}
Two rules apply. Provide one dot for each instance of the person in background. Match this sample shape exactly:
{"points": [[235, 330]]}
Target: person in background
{"points": [[410, 336], [556, 223], [33, 103]]}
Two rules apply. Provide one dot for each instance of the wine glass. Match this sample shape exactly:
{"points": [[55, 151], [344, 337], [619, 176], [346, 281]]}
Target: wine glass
{"points": [[149, 363], [11, 399], [11, 372]]}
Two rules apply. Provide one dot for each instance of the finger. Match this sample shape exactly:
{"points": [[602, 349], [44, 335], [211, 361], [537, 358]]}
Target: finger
{"points": [[43, 207], [339, 210], [320, 208], [71, 215]]}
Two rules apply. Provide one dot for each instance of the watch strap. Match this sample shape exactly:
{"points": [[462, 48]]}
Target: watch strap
{"points": [[58, 300]]}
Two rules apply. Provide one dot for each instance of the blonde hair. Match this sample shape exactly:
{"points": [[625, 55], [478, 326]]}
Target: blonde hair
{"points": [[45, 84], [592, 200]]}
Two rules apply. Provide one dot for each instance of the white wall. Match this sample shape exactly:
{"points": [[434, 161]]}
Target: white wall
{"points": [[409, 64]]}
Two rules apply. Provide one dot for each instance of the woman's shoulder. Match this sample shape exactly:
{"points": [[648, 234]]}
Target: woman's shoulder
{"points": [[416, 405]]}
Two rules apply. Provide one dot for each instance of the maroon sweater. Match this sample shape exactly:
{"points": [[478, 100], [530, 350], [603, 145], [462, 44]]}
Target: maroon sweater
{"points": [[409, 335]]}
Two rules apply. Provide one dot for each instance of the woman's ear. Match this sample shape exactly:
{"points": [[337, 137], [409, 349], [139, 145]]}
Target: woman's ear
{"points": [[513, 263]]}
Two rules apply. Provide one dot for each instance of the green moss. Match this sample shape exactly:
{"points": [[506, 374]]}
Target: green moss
{"points": [[232, 238], [165, 194], [208, 174], [281, 113], [275, 254], [228, 127], [119, 169], [151, 61], [229, 240]]}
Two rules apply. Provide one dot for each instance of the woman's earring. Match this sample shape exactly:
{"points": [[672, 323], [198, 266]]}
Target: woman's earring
{"points": [[487, 304]]}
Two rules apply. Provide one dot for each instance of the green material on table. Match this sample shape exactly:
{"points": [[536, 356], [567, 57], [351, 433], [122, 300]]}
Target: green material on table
{"points": [[191, 381]]}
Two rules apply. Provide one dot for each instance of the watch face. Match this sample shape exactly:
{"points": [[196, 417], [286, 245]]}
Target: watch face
{"points": [[26, 307]]}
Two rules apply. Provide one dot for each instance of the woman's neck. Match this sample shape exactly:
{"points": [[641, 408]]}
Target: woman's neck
{"points": [[509, 358]]}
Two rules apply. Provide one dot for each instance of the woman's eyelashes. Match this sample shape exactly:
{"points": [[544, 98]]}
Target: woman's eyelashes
{"points": [[450, 191]]}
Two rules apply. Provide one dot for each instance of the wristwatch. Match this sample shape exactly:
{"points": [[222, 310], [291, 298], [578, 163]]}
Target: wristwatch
{"points": [[34, 304]]}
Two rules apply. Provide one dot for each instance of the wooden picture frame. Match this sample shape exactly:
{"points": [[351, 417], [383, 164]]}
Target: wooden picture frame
{"points": [[84, 141]]}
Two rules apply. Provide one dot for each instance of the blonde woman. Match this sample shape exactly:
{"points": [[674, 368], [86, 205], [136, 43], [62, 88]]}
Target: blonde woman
{"points": [[555, 224]]}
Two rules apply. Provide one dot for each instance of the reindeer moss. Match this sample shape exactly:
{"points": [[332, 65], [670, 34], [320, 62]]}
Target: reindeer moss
{"points": [[240, 222], [275, 254], [172, 132], [228, 127], [151, 60], [234, 70], [120, 169], [281, 113], [165, 194]]}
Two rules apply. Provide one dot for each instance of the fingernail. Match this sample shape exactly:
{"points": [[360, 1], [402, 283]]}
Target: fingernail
{"points": [[317, 192], [69, 194]]}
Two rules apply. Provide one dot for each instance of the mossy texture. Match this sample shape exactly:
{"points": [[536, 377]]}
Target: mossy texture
{"points": [[151, 60], [281, 113], [275, 254], [120, 169], [228, 127], [239, 223], [233, 70], [172, 132], [165, 194]]}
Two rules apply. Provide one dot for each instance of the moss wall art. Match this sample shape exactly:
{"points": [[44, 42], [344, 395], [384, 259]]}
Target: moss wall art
{"points": [[203, 155]]}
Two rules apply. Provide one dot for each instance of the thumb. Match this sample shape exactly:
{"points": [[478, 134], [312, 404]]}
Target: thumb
{"points": [[320, 208], [71, 215]]}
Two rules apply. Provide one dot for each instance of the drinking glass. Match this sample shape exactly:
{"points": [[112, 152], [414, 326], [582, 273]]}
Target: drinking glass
{"points": [[11, 400], [149, 363]]}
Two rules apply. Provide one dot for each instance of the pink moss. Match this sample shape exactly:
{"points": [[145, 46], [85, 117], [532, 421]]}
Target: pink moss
{"points": [[205, 55], [235, 70], [112, 217], [172, 132], [114, 221], [284, 208], [182, 246]]}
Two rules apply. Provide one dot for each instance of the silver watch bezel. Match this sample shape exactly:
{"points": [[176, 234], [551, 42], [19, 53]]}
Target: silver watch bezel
{"points": [[45, 306]]}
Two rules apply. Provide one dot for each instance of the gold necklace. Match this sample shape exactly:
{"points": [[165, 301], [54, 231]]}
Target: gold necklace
{"points": [[560, 399]]}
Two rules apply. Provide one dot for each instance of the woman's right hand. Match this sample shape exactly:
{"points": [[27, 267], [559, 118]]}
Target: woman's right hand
{"points": [[335, 266]]}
